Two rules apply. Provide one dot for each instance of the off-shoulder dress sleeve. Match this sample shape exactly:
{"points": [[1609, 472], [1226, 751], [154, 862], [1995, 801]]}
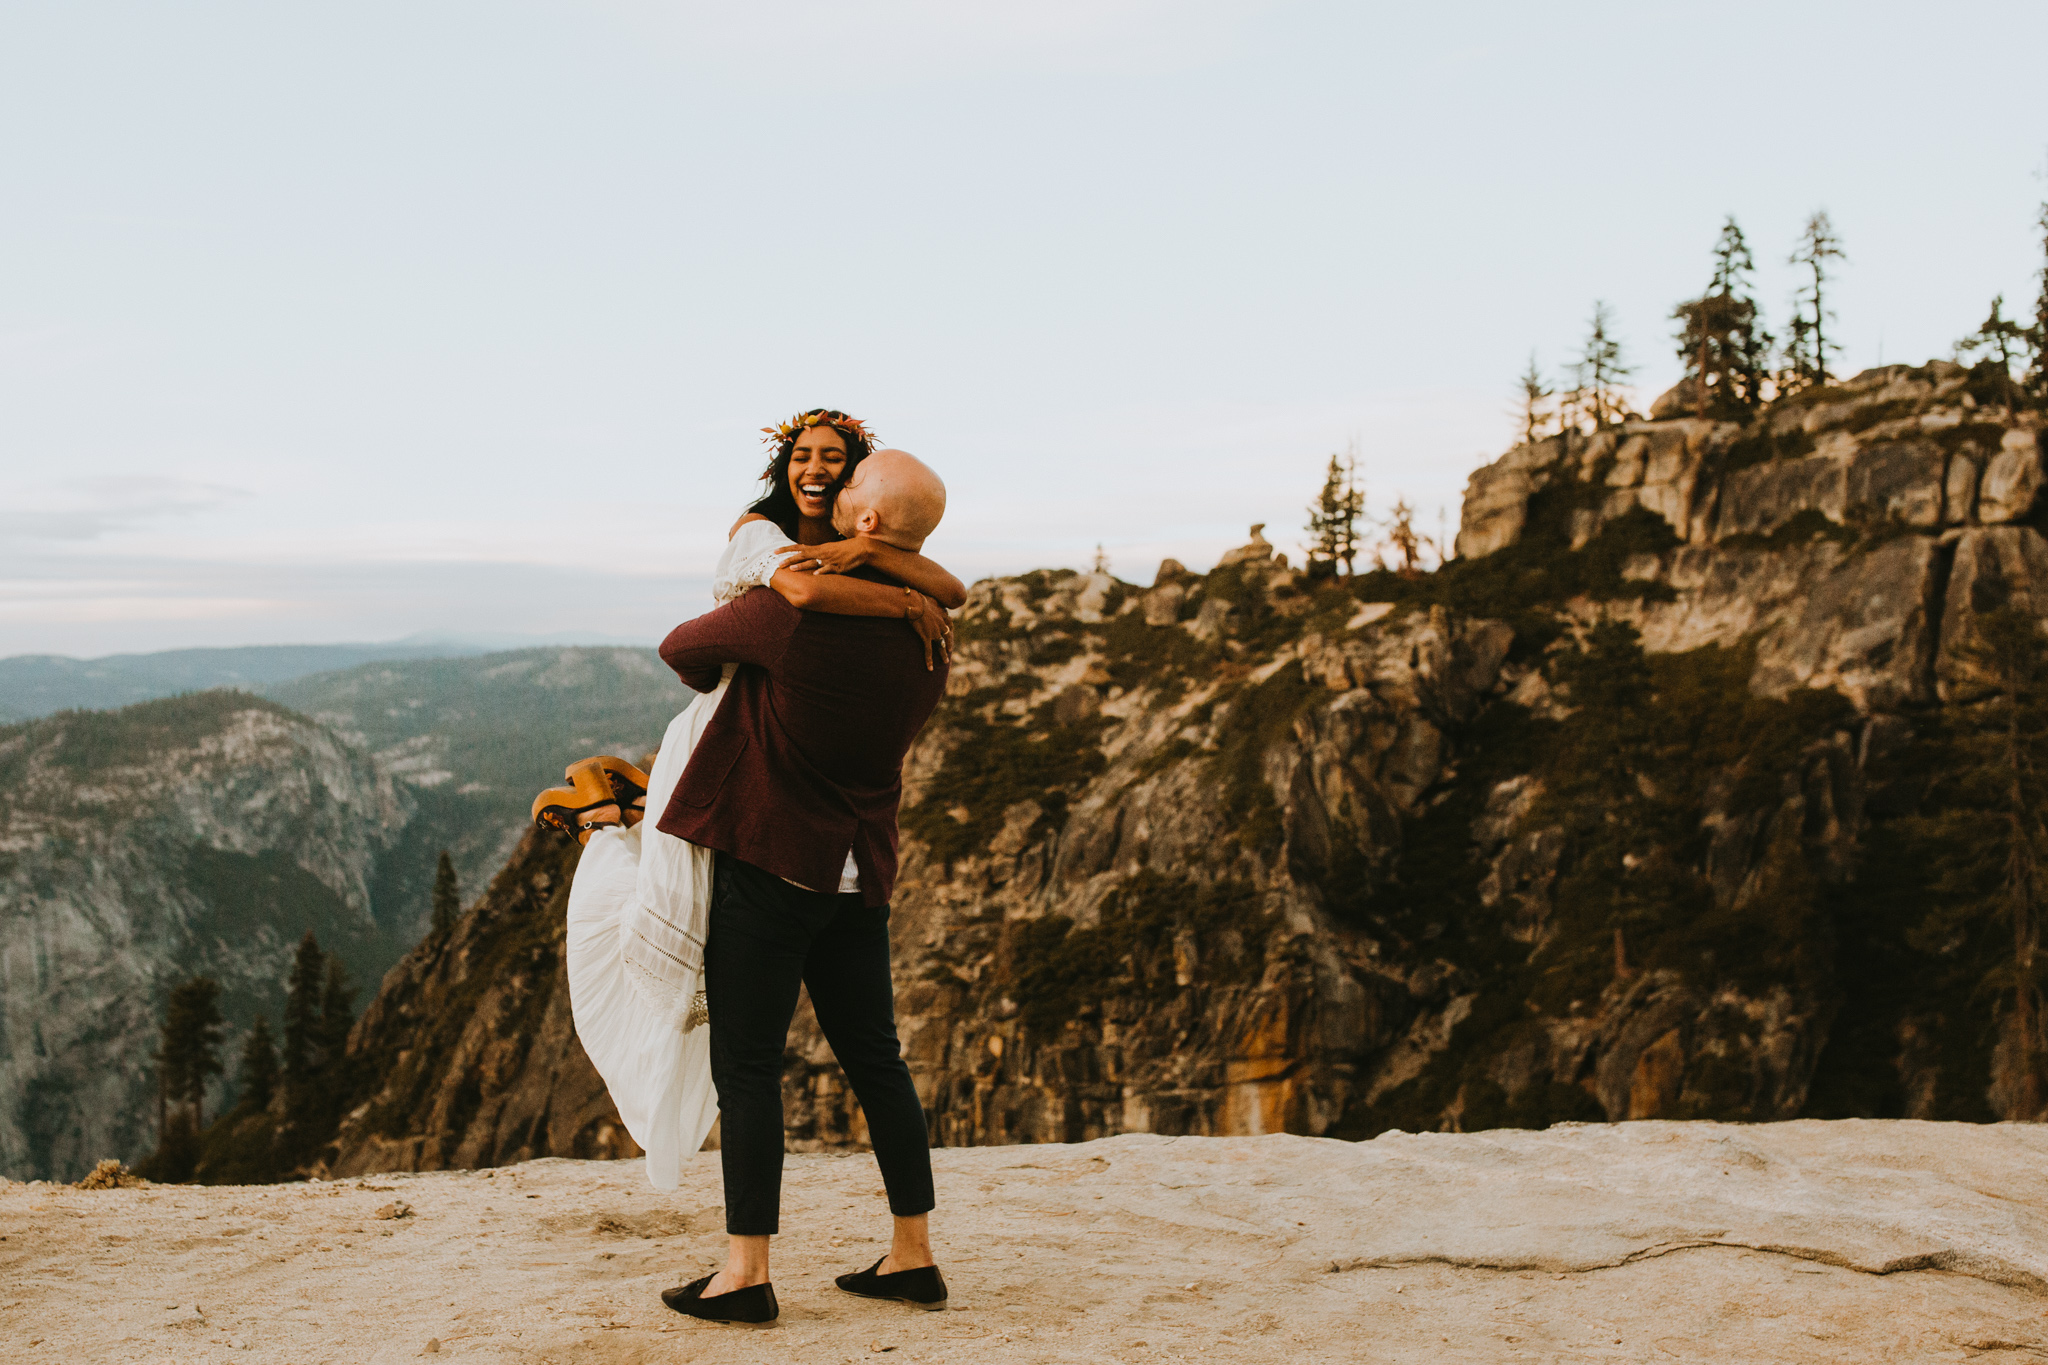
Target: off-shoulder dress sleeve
{"points": [[750, 560]]}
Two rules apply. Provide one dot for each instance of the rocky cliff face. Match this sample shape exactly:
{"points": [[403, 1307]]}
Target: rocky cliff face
{"points": [[1603, 820], [196, 835], [1853, 531]]}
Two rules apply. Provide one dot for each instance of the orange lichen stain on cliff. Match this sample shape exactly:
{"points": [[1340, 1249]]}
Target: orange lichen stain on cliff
{"points": [[1259, 1082], [1653, 1089]]}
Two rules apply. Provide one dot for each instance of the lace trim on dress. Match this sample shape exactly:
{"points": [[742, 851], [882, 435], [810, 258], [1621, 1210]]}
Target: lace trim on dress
{"points": [[750, 560]]}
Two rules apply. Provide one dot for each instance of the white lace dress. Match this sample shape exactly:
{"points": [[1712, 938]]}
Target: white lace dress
{"points": [[637, 918]]}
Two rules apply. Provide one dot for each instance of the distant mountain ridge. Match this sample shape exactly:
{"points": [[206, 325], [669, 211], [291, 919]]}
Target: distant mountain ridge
{"points": [[33, 685]]}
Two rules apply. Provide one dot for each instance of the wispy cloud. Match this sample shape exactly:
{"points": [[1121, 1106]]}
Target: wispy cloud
{"points": [[86, 509]]}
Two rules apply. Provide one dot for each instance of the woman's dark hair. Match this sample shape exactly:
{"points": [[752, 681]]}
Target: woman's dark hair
{"points": [[777, 504]]}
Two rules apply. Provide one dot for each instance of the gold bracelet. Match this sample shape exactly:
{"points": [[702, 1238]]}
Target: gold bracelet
{"points": [[910, 611]]}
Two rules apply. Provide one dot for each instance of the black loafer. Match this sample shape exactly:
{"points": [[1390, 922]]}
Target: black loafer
{"points": [[923, 1287], [753, 1306]]}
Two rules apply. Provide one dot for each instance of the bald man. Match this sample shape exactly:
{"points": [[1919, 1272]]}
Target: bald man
{"points": [[795, 785], [893, 496]]}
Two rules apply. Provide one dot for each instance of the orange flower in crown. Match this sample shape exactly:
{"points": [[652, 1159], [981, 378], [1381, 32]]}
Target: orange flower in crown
{"points": [[852, 428]]}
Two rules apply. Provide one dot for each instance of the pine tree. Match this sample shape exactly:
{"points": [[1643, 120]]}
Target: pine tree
{"points": [[1533, 410], [1593, 789], [1801, 367], [1599, 371], [2036, 382], [337, 1014], [257, 1077], [190, 1052], [302, 1016], [1406, 541], [1720, 336], [1807, 352], [2006, 343], [447, 895], [1328, 517], [1353, 509], [1987, 840]]}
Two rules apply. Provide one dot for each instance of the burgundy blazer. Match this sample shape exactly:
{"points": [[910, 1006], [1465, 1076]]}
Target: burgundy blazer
{"points": [[804, 759]]}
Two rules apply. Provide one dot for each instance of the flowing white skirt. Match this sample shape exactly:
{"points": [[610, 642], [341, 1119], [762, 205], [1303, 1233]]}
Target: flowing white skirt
{"points": [[638, 915]]}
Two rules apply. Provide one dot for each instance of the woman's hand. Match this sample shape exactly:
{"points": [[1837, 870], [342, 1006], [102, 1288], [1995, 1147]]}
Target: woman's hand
{"points": [[834, 556], [932, 624]]}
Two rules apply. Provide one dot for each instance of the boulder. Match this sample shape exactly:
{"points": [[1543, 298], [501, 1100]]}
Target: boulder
{"points": [[1213, 618], [1497, 496], [1994, 566], [1259, 549], [1671, 472], [1076, 704], [1959, 494], [1677, 401], [2012, 480], [1092, 597], [1162, 604], [1496, 509]]}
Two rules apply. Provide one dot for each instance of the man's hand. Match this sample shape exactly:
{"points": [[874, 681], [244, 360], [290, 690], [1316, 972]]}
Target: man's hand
{"points": [[836, 556], [932, 624]]}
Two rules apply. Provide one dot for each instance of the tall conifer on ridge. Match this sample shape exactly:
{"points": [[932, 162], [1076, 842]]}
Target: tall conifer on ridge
{"points": [[1807, 354], [447, 895]]}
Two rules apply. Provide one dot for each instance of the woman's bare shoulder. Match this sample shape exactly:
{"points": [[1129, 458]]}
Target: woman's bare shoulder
{"points": [[745, 519]]}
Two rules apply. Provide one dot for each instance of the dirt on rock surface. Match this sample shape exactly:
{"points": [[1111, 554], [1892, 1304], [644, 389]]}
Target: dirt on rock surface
{"points": [[1849, 1241]]}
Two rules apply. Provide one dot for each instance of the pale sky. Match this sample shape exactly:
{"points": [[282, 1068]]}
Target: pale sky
{"points": [[327, 322]]}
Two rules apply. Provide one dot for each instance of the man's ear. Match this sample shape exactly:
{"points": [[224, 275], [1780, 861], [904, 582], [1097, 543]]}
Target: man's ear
{"points": [[868, 523]]}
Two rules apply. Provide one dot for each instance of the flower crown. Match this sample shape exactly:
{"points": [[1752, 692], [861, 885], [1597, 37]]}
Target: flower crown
{"points": [[821, 417]]}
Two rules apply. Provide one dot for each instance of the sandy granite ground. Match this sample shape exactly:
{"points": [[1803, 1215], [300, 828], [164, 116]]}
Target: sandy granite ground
{"points": [[1633, 1242]]}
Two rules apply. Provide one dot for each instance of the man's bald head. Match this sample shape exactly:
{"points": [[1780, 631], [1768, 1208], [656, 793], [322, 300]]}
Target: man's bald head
{"points": [[892, 496]]}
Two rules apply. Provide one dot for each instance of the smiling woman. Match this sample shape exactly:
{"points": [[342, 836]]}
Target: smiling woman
{"points": [[816, 452]]}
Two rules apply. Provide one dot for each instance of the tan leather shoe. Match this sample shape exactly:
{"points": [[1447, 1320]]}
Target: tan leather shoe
{"points": [[629, 787], [583, 807]]}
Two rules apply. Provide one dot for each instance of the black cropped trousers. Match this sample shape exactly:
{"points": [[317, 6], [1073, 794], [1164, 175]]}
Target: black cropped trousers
{"points": [[766, 936]]}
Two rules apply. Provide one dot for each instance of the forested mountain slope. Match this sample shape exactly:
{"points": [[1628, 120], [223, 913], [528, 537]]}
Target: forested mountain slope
{"points": [[474, 738], [199, 835], [1657, 802], [204, 835]]}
